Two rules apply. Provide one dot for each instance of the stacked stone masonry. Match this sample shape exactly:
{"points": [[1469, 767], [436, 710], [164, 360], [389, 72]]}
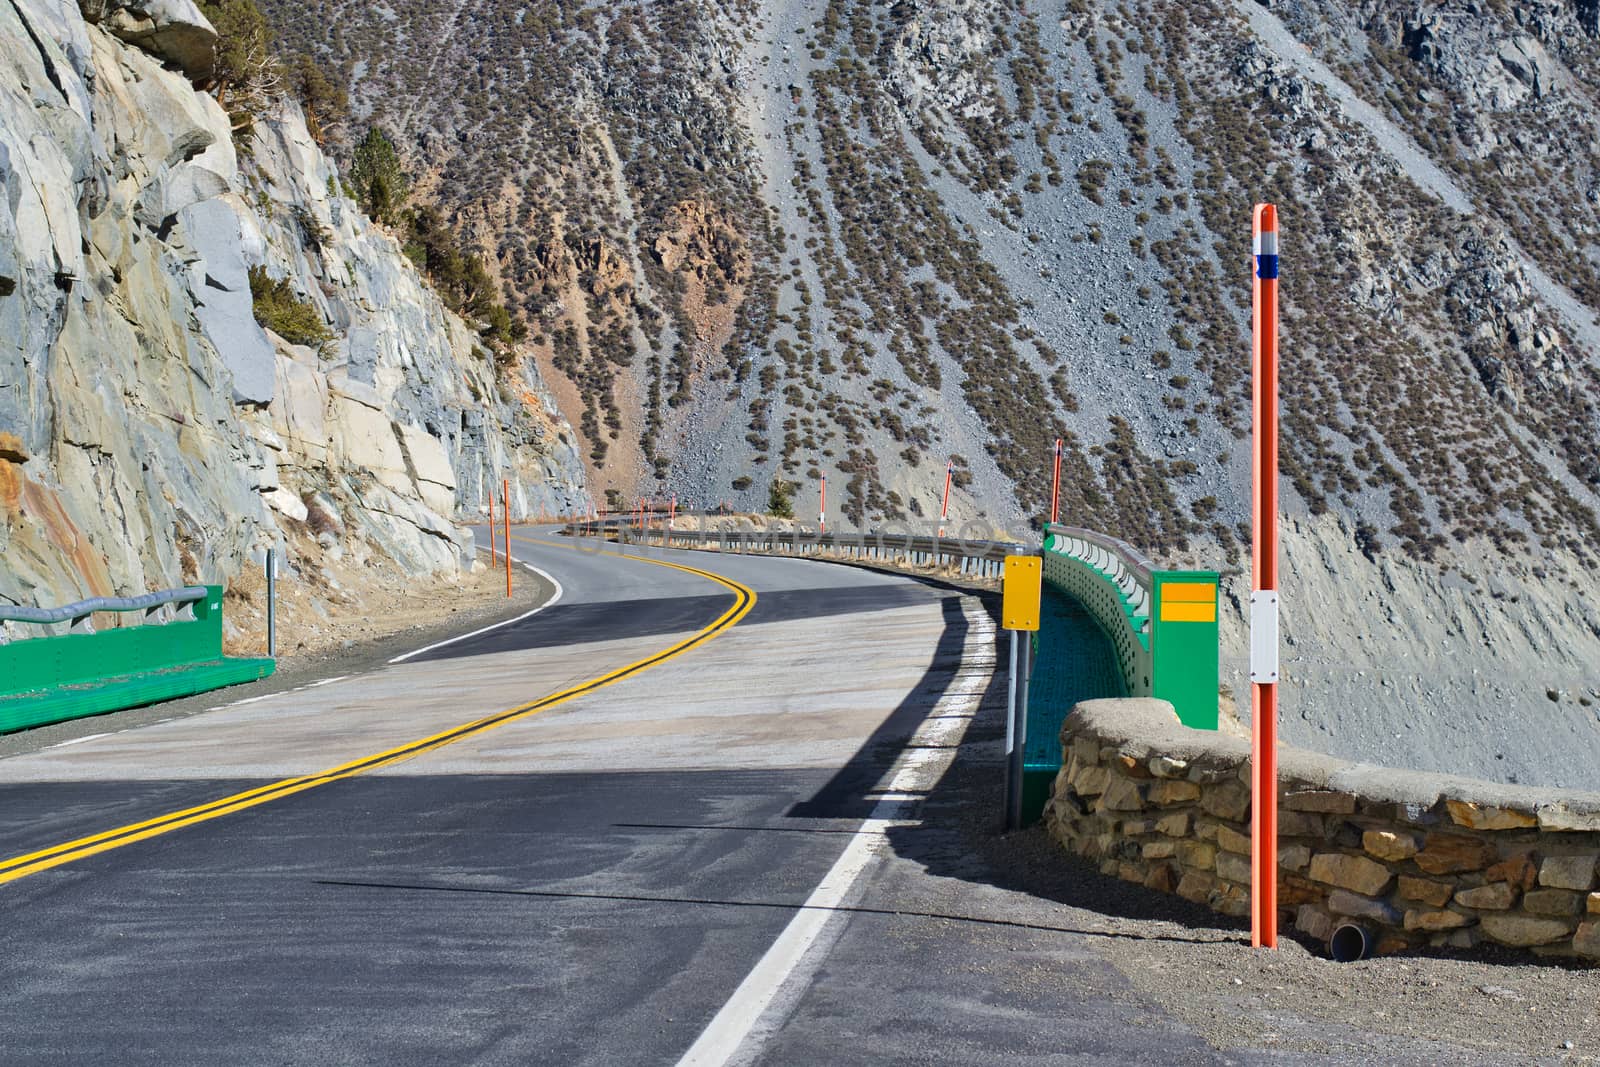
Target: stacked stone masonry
{"points": [[1421, 860]]}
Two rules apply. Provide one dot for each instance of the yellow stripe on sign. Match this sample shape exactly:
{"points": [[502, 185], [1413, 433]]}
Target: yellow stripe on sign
{"points": [[1189, 592], [83, 847], [1182, 611]]}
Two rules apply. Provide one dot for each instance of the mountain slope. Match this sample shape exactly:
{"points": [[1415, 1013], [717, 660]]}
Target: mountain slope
{"points": [[851, 237]]}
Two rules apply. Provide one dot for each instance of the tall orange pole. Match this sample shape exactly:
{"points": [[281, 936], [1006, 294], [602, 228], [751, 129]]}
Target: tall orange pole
{"points": [[493, 550], [1055, 487], [944, 506], [1264, 584], [506, 488]]}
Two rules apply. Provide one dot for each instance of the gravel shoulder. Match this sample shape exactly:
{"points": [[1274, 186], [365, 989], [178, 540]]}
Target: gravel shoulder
{"points": [[1290, 1005]]}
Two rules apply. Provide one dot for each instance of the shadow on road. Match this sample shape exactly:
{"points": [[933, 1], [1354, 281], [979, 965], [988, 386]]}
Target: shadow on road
{"points": [[779, 905], [960, 830]]}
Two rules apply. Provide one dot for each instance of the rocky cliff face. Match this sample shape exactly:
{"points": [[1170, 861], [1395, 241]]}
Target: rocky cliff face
{"points": [[151, 433]]}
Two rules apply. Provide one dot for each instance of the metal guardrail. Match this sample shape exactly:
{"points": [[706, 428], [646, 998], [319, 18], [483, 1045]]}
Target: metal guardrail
{"points": [[67, 676], [148, 602], [1127, 568], [984, 559]]}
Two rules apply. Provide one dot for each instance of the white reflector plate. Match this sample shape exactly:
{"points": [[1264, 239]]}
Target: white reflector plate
{"points": [[1264, 636]]}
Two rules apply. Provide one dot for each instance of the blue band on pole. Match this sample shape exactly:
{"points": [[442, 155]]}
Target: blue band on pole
{"points": [[1267, 266]]}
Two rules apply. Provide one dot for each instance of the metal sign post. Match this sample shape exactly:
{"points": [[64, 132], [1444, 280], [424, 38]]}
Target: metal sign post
{"points": [[272, 603], [1019, 613], [1264, 584]]}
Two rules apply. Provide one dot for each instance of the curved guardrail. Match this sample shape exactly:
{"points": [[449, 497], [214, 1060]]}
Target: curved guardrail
{"points": [[1114, 590], [84, 608], [984, 559], [1162, 624]]}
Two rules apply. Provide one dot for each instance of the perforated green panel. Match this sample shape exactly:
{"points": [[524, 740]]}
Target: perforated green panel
{"points": [[1100, 595]]}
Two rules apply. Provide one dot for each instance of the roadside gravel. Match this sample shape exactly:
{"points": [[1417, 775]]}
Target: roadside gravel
{"points": [[1293, 1003]]}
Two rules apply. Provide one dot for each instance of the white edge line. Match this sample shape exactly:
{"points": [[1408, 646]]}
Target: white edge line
{"points": [[725, 1035], [80, 740], [546, 575]]}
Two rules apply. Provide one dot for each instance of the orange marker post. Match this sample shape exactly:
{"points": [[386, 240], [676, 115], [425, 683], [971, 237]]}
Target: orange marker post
{"points": [[944, 508], [507, 490], [1264, 585], [1055, 487]]}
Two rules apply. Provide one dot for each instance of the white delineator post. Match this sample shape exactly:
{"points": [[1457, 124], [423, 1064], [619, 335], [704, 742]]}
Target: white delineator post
{"points": [[822, 507]]}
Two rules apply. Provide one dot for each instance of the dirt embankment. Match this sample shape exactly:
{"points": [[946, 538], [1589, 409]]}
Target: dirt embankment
{"points": [[330, 599]]}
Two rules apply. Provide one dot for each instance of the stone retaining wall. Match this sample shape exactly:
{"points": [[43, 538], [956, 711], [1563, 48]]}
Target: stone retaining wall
{"points": [[1420, 859]]}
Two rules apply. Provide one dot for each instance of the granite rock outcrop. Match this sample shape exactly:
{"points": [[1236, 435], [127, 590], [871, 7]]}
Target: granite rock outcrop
{"points": [[154, 434]]}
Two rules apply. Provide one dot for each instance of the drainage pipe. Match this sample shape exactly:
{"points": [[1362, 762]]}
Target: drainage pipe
{"points": [[1350, 942]]}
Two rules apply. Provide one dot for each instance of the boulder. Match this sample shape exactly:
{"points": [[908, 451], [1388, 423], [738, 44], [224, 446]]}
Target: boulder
{"points": [[1523, 931], [1453, 853], [173, 30], [1356, 873], [1496, 896], [1389, 845], [1435, 921], [1569, 872], [1344, 902], [1424, 891], [1587, 940]]}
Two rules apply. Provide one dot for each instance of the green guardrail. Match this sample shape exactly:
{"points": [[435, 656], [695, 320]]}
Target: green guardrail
{"points": [[1113, 625], [69, 676]]}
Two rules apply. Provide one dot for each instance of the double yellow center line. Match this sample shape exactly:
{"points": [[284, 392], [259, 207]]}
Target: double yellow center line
{"points": [[70, 851]]}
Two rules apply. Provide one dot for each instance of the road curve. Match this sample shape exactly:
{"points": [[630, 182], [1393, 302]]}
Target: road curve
{"points": [[585, 882], [674, 832]]}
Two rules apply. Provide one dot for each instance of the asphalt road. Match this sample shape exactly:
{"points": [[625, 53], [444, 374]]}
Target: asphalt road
{"points": [[587, 884], [764, 837]]}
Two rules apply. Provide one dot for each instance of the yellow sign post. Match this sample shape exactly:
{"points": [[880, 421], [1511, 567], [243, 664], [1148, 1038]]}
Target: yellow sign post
{"points": [[1019, 613]]}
